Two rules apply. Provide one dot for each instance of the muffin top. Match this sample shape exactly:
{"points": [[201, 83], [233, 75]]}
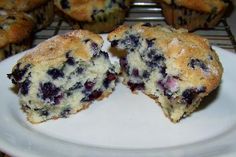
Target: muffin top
{"points": [[187, 56], [86, 10], [11, 24], [21, 5], [209, 6], [79, 43]]}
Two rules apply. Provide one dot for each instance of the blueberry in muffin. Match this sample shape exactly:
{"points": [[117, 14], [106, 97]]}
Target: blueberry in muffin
{"points": [[63, 75], [13, 38], [42, 11], [97, 16], [173, 67], [193, 14]]}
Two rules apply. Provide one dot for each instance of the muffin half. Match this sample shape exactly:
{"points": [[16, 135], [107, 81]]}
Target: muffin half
{"points": [[63, 75], [173, 67]]}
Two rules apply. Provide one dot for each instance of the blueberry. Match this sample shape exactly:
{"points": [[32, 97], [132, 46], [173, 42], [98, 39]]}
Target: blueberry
{"points": [[44, 112], [135, 72], [123, 63], [24, 87], [163, 70], [55, 73], [70, 60], [18, 73], [65, 4], [77, 85], [189, 94], [131, 40], [150, 42], [197, 63], [65, 112], [135, 86], [89, 85], [105, 54], [114, 43], [50, 92], [146, 74], [92, 96], [79, 70], [110, 77], [94, 46]]}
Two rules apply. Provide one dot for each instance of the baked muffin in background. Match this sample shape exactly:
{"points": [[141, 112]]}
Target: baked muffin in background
{"points": [[98, 16], [193, 14], [63, 75], [175, 68], [15, 32], [42, 11]]}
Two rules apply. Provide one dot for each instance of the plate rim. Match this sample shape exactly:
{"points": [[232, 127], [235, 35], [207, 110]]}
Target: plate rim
{"points": [[231, 132]]}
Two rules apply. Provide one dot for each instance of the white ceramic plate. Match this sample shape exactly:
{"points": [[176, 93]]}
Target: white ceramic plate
{"points": [[123, 125]]}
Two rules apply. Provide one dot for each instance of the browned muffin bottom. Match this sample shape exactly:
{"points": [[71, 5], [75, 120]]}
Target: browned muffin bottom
{"points": [[193, 14]]}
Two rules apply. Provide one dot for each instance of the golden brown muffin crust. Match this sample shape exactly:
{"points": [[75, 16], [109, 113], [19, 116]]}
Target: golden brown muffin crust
{"points": [[14, 27], [199, 5], [21, 5], [82, 10], [54, 50]]}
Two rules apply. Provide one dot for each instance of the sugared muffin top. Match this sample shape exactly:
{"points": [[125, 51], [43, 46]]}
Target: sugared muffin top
{"points": [[53, 51], [14, 27], [86, 10], [187, 56], [208, 6]]}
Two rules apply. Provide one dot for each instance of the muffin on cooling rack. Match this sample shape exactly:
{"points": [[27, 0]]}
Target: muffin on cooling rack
{"points": [[63, 75], [15, 32], [41, 10], [193, 14], [175, 68], [97, 16]]}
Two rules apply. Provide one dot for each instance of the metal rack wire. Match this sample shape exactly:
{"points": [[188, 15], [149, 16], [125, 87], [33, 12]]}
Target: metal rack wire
{"points": [[144, 11]]}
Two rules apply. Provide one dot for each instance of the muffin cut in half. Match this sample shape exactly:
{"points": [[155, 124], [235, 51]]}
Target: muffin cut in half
{"points": [[175, 68], [13, 38], [97, 16], [63, 75]]}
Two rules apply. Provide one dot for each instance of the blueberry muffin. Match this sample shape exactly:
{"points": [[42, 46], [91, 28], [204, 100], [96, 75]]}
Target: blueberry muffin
{"points": [[41, 10], [63, 75], [193, 14], [13, 38], [97, 16], [173, 67]]}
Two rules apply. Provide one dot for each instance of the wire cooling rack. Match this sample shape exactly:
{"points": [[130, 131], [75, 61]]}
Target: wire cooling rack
{"points": [[144, 11]]}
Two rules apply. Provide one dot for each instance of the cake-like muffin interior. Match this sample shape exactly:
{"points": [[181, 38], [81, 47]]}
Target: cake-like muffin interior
{"points": [[63, 75], [175, 68]]}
